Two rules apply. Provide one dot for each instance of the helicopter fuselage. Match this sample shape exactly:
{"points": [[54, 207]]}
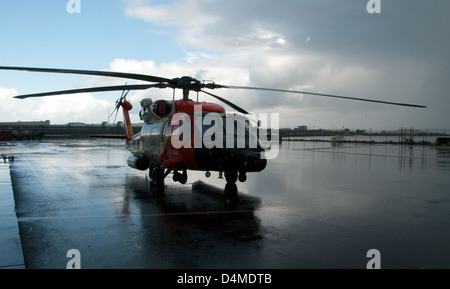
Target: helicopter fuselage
{"points": [[206, 141]]}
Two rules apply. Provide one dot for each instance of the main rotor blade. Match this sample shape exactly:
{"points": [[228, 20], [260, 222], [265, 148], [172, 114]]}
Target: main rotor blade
{"points": [[322, 94], [135, 76], [241, 110], [90, 89]]}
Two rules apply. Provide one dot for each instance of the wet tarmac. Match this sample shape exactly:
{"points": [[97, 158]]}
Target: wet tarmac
{"points": [[315, 206]]}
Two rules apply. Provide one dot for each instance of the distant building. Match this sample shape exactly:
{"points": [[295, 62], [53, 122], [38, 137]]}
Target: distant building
{"points": [[302, 128], [25, 124], [6, 135], [76, 124]]}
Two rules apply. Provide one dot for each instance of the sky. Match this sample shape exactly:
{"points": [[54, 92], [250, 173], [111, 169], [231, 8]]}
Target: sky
{"points": [[325, 46]]}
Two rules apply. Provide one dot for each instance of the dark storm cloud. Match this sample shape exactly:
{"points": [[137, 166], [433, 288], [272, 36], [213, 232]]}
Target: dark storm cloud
{"points": [[325, 46], [406, 46], [336, 27]]}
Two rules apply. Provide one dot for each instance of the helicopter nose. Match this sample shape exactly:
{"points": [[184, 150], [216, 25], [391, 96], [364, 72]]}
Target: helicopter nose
{"points": [[259, 163], [252, 161]]}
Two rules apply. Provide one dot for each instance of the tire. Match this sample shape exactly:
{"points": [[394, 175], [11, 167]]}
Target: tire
{"points": [[230, 195], [157, 180]]}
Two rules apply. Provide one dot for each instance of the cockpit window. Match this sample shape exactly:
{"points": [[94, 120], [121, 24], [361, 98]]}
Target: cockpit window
{"points": [[227, 130]]}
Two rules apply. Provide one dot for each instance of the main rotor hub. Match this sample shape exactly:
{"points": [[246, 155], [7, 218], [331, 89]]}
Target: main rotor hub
{"points": [[186, 83]]}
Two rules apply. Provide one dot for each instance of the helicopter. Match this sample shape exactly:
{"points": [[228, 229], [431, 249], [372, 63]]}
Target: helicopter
{"points": [[183, 134]]}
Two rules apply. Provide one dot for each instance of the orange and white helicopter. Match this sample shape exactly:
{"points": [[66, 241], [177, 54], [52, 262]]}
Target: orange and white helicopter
{"points": [[182, 135]]}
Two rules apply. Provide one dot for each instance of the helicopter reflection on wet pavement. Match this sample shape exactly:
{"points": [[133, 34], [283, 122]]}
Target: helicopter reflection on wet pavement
{"points": [[315, 206]]}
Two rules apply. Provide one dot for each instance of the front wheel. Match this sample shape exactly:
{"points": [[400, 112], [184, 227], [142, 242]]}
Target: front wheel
{"points": [[230, 195], [157, 180]]}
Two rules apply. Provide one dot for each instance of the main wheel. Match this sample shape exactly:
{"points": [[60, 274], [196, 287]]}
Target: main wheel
{"points": [[230, 194], [157, 180]]}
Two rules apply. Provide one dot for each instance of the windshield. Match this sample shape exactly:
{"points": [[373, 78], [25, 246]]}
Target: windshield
{"points": [[226, 130]]}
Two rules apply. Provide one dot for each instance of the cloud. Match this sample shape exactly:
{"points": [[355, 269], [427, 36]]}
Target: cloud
{"points": [[79, 108], [188, 14], [8, 109], [169, 14], [59, 109], [398, 55], [333, 47]]}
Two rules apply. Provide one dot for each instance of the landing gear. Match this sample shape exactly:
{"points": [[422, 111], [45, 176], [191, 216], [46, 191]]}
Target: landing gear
{"points": [[231, 191], [242, 177], [181, 178], [230, 195], [231, 176], [156, 175]]}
